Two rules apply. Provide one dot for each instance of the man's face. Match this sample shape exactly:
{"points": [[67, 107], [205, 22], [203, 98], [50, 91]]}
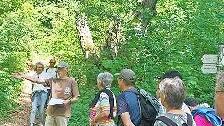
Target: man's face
{"points": [[62, 72], [119, 81], [52, 62], [40, 68]]}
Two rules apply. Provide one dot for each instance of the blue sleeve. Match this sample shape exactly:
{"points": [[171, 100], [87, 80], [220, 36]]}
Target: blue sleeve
{"points": [[122, 106]]}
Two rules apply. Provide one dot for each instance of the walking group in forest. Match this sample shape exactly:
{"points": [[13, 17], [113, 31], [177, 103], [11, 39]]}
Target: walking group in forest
{"points": [[54, 91]]}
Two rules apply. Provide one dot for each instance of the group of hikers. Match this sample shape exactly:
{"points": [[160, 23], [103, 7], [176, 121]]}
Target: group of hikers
{"points": [[51, 83], [55, 90]]}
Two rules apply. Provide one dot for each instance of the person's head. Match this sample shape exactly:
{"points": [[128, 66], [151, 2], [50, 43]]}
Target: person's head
{"points": [[52, 62], [168, 74], [171, 74], [191, 103], [172, 93], [62, 69], [104, 80], [126, 79], [39, 67]]}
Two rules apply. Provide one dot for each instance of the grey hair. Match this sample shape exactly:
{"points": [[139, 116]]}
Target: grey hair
{"points": [[174, 91], [39, 63], [106, 78]]}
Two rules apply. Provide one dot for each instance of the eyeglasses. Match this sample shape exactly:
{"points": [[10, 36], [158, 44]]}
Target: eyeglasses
{"points": [[119, 78]]}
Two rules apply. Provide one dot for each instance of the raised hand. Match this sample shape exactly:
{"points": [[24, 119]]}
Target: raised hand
{"points": [[17, 75]]}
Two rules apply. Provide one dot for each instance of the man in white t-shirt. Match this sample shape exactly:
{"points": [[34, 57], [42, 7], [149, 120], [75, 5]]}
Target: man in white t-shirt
{"points": [[39, 94], [51, 70]]}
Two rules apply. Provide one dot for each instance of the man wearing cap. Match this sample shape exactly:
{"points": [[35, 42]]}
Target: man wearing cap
{"points": [[64, 92], [128, 106]]}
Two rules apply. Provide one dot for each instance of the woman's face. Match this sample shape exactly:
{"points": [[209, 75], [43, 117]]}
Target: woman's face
{"points": [[162, 98], [99, 85]]}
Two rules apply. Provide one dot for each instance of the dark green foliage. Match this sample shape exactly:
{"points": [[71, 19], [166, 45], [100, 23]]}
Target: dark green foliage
{"points": [[9, 87]]}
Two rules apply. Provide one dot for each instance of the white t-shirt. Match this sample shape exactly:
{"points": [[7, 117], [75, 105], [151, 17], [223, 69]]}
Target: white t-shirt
{"points": [[41, 77], [185, 108], [51, 72]]}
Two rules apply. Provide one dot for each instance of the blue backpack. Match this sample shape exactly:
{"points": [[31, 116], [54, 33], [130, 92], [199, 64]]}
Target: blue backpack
{"points": [[209, 114]]}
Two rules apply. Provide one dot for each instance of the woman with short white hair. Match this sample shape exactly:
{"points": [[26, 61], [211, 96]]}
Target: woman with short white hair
{"points": [[172, 93], [103, 107]]}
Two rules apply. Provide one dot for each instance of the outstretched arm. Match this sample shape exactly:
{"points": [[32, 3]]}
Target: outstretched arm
{"points": [[38, 81], [23, 76]]}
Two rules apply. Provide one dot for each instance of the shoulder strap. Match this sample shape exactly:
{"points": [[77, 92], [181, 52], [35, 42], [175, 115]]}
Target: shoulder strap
{"points": [[47, 69], [94, 101], [111, 101], [50, 84], [189, 120], [166, 120]]}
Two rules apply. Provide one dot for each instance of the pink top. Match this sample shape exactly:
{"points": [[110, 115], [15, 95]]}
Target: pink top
{"points": [[201, 121]]}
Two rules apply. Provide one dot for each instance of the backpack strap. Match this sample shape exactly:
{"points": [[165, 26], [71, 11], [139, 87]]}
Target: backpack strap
{"points": [[47, 69], [111, 101], [209, 114], [166, 120], [189, 120], [169, 122]]}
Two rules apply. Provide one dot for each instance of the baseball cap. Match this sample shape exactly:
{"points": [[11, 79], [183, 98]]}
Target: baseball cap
{"points": [[127, 75], [62, 64]]}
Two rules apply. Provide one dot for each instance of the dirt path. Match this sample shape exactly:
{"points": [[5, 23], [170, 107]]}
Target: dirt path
{"points": [[20, 117]]}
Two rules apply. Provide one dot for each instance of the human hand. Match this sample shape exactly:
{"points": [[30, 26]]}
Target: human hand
{"points": [[66, 102], [17, 75], [92, 123]]}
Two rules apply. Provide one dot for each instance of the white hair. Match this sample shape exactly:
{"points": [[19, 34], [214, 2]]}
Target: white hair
{"points": [[106, 78], [174, 91]]}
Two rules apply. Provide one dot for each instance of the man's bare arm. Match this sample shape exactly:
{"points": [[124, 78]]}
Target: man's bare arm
{"points": [[125, 117]]}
